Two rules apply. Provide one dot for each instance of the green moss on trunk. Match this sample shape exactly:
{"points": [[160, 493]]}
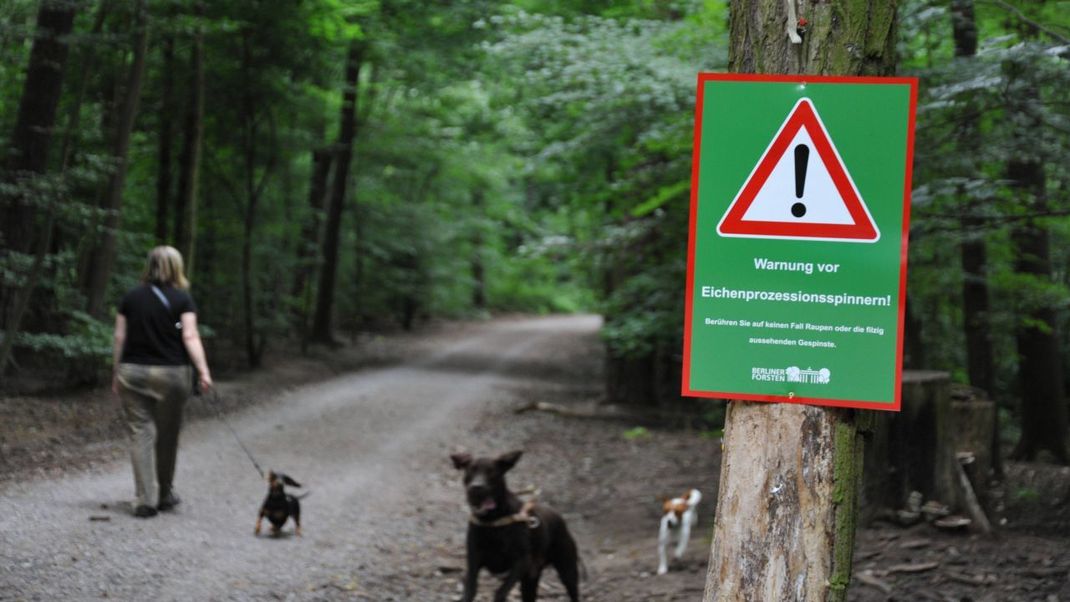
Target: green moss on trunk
{"points": [[847, 473]]}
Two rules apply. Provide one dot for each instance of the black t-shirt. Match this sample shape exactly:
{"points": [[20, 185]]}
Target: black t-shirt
{"points": [[153, 332]]}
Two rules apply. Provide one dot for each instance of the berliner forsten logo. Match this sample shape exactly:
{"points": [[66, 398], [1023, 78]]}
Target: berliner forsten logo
{"points": [[792, 374]]}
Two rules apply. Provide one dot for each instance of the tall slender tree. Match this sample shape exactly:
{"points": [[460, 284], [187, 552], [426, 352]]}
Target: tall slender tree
{"points": [[29, 147], [166, 129], [973, 250], [28, 159], [307, 246], [101, 258], [189, 161], [1040, 366], [321, 325]]}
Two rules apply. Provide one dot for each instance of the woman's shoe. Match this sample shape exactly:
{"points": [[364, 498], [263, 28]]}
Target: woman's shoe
{"points": [[144, 512], [168, 501]]}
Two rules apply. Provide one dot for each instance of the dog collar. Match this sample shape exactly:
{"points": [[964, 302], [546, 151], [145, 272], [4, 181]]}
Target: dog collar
{"points": [[524, 516]]}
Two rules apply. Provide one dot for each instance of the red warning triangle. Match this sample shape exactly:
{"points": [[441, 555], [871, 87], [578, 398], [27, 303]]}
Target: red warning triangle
{"points": [[800, 189]]}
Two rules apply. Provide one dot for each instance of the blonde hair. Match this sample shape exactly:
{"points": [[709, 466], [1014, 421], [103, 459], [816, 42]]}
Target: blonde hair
{"points": [[165, 266]]}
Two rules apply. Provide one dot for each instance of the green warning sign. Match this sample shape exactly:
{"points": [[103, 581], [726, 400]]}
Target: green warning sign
{"points": [[800, 202]]}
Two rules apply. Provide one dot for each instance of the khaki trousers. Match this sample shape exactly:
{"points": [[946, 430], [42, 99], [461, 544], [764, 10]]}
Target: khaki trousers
{"points": [[152, 399]]}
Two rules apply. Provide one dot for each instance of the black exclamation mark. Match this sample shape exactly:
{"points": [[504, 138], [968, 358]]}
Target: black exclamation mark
{"points": [[802, 157]]}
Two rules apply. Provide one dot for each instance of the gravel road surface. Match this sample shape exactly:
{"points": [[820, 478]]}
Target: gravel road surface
{"points": [[366, 445]]}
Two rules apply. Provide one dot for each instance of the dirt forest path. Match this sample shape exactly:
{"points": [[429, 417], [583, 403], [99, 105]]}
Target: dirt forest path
{"points": [[384, 520]]}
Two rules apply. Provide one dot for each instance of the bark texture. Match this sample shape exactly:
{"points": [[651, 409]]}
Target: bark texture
{"points": [[787, 506], [841, 38]]}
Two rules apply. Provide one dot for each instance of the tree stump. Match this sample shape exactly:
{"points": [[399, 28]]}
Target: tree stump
{"points": [[913, 450], [974, 419]]}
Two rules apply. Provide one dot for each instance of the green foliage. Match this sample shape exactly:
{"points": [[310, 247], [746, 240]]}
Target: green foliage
{"points": [[1026, 494], [88, 339], [535, 151], [975, 117], [608, 101]]}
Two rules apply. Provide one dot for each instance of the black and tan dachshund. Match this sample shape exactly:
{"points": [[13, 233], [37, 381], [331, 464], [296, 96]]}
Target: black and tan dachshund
{"points": [[512, 538], [280, 506]]}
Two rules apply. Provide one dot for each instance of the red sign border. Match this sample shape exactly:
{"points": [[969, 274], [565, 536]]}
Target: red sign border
{"points": [[802, 115], [912, 82]]}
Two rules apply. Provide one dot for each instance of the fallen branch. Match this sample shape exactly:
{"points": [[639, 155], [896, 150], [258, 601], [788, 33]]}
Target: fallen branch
{"points": [[914, 544], [919, 567], [968, 579], [1043, 573], [560, 410], [973, 507], [867, 578]]}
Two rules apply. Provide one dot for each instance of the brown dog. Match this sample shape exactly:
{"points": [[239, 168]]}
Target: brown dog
{"points": [[512, 538]]}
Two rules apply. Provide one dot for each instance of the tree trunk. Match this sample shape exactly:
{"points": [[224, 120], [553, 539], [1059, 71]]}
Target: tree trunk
{"points": [[321, 324], [102, 257], [1040, 368], [972, 419], [15, 302], [310, 236], [979, 362], [189, 162], [27, 155], [913, 450], [913, 345], [166, 117], [253, 348], [630, 380], [479, 285], [36, 117], [786, 508]]}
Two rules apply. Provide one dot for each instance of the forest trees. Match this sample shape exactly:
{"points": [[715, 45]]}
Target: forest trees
{"points": [[521, 156], [26, 192], [990, 138]]}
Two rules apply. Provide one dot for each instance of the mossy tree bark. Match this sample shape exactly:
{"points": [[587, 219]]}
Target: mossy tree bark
{"points": [[787, 503]]}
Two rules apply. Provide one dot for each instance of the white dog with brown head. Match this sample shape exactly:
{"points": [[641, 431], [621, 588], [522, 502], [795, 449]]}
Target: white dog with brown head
{"points": [[680, 515]]}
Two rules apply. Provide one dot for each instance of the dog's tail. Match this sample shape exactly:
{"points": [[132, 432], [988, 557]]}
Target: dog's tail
{"points": [[694, 497]]}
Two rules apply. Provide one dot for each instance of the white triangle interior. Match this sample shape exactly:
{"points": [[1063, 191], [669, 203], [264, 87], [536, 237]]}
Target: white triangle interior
{"points": [[822, 201]]}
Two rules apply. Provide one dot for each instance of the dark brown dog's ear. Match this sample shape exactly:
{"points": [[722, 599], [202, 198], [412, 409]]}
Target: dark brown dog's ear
{"points": [[461, 460], [509, 460], [287, 480]]}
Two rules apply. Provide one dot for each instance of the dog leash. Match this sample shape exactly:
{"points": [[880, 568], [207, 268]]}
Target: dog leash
{"points": [[222, 417]]}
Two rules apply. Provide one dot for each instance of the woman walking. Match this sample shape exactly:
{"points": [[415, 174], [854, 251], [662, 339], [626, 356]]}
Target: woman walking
{"points": [[156, 340]]}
